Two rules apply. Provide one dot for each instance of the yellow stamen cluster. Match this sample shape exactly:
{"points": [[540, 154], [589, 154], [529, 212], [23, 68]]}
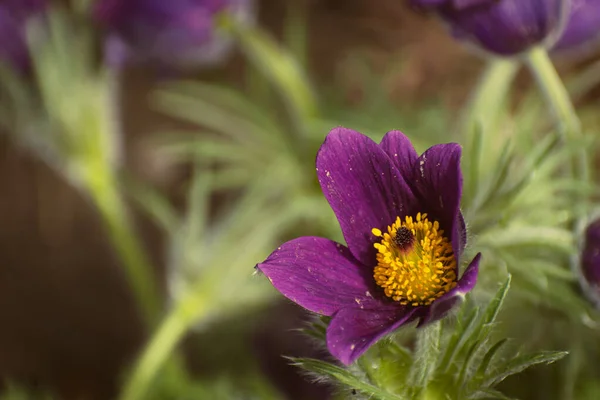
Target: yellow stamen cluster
{"points": [[415, 262]]}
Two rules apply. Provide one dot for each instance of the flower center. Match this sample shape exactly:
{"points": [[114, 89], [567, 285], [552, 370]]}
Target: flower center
{"points": [[415, 261]]}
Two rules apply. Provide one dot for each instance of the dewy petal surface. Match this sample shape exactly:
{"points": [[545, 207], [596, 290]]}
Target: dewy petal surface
{"points": [[465, 284], [319, 275], [437, 183], [508, 27], [583, 27], [363, 187], [352, 331]]}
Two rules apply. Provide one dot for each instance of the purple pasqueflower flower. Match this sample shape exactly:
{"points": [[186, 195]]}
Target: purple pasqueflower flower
{"points": [[399, 214], [590, 261], [13, 18], [502, 27], [583, 28], [176, 32]]}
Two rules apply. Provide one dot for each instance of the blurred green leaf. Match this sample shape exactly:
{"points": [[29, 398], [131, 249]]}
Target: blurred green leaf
{"points": [[522, 362], [295, 33], [558, 239], [489, 355], [278, 65], [153, 203]]}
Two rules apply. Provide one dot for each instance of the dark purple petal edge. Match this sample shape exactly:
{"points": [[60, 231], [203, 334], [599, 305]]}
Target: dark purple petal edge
{"points": [[352, 331], [319, 275]]}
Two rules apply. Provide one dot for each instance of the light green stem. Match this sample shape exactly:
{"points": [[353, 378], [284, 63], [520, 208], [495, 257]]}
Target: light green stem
{"points": [[103, 189], [97, 159], [481, 116], [280, 67], [162, 345], [489, 95], [559, 101], [558, 98]]}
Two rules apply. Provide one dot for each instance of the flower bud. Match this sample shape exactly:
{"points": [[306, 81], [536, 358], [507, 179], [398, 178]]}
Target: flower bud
{"points": [[582, 32], [502, 27], [177, 33]]}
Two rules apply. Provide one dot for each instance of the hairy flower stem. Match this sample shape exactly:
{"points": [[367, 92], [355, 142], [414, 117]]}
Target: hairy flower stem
{"points": [[281, 68], [102, 187], [98, 163], [481, 115], [490, 93], [558, 99], [162, 344]]}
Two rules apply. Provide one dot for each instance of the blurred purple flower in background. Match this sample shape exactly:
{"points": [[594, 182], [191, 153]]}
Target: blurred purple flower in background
{"points": [[175, 32], [13, 43], [509, 27], [582, 32], [400, 216], [590, 261]]}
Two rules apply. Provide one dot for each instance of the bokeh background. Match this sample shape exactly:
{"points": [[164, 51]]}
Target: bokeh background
{"points": [[69, 325]]}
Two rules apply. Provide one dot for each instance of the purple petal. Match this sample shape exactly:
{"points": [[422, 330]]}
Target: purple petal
{"points": [[13, 49], [14, 15], [507, 27], [437, 183], [363, 187], [352, 331], [467, 281], [116, 52], [465, 284], [583, 28], [319, 275], [401, 151]]}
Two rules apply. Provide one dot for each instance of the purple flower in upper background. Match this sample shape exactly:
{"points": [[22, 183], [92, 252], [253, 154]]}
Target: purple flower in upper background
{"points": [[400, 216], [509, 27], [590, 261], [503, 27], [175, 32], [583, 28], [13, 17]]}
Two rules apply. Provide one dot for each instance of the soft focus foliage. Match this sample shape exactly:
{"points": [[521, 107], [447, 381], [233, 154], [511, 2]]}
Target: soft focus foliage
{"points": [[238, 156]]}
